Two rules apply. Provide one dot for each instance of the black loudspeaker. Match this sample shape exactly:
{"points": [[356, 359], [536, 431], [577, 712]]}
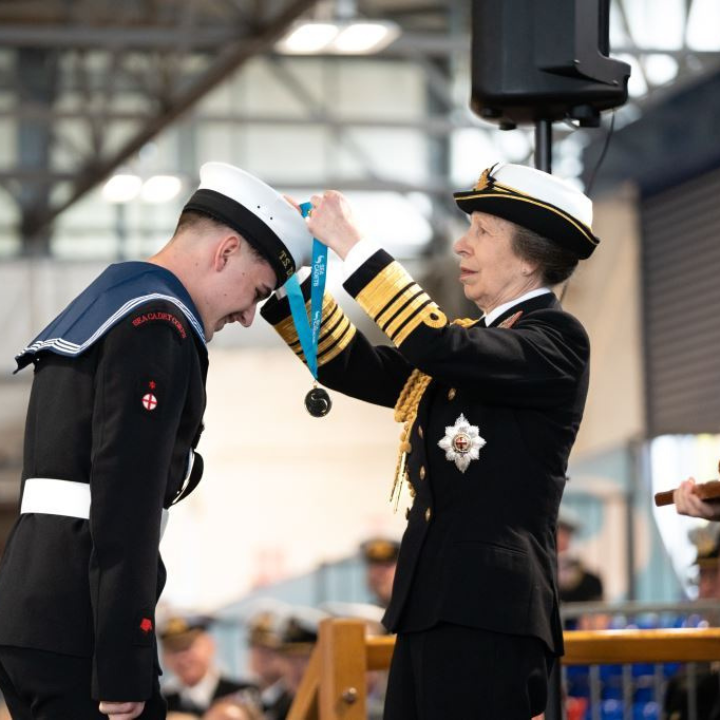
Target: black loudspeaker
{"points": [[544, 60]]}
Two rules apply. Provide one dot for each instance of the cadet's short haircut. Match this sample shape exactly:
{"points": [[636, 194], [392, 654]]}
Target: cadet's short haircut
{"points": [[197, 220], [556, 263]]}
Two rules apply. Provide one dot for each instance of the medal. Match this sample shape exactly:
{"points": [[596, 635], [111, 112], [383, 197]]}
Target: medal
{"points": [[317, 401]]}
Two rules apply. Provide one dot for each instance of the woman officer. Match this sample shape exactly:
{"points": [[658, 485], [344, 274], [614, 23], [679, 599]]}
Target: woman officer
{"points": [[491, 409]]}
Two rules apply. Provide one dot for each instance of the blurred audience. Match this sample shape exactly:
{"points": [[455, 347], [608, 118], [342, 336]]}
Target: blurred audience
{"points": [[264, 662], [706, 679], [189, 653], [707, 561], [381, 555], [230, 709], [298, 635], [576, 582]]}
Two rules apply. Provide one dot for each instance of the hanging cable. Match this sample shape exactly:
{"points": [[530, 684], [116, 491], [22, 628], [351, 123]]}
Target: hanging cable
{"points": [[600, 160]]}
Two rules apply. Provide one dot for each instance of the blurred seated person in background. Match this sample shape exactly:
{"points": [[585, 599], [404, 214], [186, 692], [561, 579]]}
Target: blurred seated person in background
{"points": [[707, 542], [706, 680], [688, 503], [264, 658], [298, 635], [189, 653], [576, 582], [231, 709], [381, 556]]}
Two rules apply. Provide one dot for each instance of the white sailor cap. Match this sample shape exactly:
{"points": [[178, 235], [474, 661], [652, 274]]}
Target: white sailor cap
{"points": [[536, 200], [260, 214]]}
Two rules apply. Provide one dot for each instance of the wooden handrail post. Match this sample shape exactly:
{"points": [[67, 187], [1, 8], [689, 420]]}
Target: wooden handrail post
{"points": [[343, 668], [305, 703]]}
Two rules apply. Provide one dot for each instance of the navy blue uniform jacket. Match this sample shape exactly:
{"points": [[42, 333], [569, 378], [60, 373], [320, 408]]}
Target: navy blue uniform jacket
{"points": [[120, 416], [479, 548]]}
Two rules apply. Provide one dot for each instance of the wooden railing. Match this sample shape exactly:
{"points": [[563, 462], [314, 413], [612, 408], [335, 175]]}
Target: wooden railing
{"points": [[334, 685]]}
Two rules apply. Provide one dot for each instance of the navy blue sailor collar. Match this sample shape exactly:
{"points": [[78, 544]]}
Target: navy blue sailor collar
{"points": [[120, 289]]}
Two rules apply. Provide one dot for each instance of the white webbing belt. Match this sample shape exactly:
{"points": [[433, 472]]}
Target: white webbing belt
{"points": [[50, 496]]}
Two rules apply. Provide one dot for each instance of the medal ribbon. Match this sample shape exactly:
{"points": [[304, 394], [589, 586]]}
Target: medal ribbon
{"points": [[308, 330]]}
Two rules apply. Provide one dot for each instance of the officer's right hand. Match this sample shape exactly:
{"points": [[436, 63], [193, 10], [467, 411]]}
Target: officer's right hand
{"points": [[122, 711], [688, 503]]}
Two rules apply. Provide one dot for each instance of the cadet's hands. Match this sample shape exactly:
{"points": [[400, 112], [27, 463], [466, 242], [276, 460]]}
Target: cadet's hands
{"points": [[688, 503], [122, 710], [332, 222]]}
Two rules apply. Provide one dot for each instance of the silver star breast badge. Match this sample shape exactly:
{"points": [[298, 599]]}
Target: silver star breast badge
{"points": [[462, 443]]}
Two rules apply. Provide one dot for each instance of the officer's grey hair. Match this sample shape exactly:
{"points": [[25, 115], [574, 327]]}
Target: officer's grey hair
{"points": [[555, 263]]}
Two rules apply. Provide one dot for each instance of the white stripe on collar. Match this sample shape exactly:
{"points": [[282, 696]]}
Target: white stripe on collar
{"points": [[68, 348], [493, 315]]}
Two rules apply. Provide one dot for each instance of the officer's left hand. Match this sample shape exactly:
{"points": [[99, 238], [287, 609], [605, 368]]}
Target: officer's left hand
{"points": [[122, 710], [332, 222]]}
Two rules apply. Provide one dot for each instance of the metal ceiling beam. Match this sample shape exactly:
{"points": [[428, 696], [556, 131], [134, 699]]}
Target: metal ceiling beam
{"points": [[227, 63], [79, 37], [436, 125], [86, 37]]}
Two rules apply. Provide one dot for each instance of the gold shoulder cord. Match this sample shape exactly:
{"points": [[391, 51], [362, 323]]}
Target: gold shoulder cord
{"points": [[406, 410]]}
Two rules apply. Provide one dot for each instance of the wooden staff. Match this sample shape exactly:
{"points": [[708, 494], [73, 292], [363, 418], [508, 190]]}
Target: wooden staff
{"points": [[705, 491]]}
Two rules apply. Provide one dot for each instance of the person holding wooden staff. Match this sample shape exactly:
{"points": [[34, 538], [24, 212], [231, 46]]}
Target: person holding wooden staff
{"points": [[689, 502], [491, 408]]}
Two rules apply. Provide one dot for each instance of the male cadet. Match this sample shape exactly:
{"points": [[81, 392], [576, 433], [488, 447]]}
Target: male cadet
{"points": [[188, 652], [115, 412], [381, 555]]}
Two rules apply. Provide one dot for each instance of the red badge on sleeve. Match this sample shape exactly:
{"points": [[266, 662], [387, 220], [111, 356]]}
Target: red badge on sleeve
{"points": [[149, 401], [146, 625]]}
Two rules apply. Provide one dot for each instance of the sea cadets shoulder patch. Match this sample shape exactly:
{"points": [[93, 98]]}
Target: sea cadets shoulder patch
{"points": [[160, 316]]}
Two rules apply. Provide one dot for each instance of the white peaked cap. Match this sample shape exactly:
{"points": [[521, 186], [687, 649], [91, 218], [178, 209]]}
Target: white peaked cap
{"points": [[258, 212], [535, 200]]}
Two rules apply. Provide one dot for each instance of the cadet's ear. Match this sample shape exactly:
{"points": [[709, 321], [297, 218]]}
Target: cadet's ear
{"points": [[228, 246]]}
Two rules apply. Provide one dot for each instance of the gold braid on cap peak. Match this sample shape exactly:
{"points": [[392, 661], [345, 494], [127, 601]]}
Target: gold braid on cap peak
{"points": [[406, 409], [485, 180]]}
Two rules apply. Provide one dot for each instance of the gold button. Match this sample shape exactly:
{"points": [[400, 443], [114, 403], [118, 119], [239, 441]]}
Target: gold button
{"points": [[428, 514], [421, 433], [451, 394], [411, 488], [422, 472], [407, 513]]}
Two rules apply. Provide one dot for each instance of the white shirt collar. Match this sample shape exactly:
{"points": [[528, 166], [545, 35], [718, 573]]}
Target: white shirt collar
{"points": [[201, 694], [493, 315]]}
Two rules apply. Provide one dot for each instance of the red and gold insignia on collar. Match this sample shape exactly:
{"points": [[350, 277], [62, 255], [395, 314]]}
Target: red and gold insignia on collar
{"points": [[509, 322]]}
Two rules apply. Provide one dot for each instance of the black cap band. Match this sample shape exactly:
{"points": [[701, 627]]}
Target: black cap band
{"points": [[249, 225]]}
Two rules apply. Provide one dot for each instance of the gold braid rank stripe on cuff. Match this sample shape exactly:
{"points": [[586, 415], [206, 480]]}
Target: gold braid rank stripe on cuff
{"points": [[398, 304], [336, 332]]}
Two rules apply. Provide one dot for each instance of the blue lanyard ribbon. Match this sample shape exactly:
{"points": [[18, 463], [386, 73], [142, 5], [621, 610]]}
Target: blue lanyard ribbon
{"points": [[308, 330]]}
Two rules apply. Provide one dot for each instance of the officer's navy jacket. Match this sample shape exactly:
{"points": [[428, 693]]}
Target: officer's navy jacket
{"points": [[479, 548], [121, 415]]}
